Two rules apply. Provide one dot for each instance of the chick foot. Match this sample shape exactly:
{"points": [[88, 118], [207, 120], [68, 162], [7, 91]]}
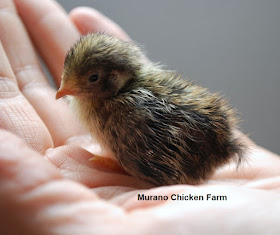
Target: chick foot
{"points": [[108, 164]]}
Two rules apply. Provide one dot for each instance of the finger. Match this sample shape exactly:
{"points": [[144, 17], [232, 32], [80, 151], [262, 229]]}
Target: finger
{"points": [[51, 30], [32, 82], [89, 20], [16, 114], [18, 47]]}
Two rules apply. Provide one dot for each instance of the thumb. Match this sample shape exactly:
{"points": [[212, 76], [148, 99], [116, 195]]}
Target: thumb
{"points": [[30, 187]]}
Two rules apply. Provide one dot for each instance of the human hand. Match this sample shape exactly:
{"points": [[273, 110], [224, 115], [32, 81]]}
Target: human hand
{"points": [[54, 189]]}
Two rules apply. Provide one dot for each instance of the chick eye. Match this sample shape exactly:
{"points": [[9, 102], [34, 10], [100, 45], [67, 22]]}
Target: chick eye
{"points": [[93, 77]]}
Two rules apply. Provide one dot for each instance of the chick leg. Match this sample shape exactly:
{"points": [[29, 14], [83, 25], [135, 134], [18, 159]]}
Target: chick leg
{"points": [[107, 164]]}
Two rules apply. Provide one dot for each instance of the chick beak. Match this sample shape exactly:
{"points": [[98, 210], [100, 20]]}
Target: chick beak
{"points": [[63, 91]]}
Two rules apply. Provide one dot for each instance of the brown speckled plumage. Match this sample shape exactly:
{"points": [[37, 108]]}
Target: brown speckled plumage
{"points": [[160, 127]]}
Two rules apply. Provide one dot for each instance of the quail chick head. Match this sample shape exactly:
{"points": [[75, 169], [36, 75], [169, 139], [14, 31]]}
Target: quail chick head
{"points": [[160, 127]]}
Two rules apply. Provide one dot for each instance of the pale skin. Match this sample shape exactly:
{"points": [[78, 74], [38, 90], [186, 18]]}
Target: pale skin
{"points": [[47, 184]]}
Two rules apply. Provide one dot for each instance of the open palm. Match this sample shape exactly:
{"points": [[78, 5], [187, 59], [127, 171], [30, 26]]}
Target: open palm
{"points": [[47, 184]]}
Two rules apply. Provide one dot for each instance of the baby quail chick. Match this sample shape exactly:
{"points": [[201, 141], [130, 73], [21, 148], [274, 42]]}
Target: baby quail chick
{"points": [[160, 127]]}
